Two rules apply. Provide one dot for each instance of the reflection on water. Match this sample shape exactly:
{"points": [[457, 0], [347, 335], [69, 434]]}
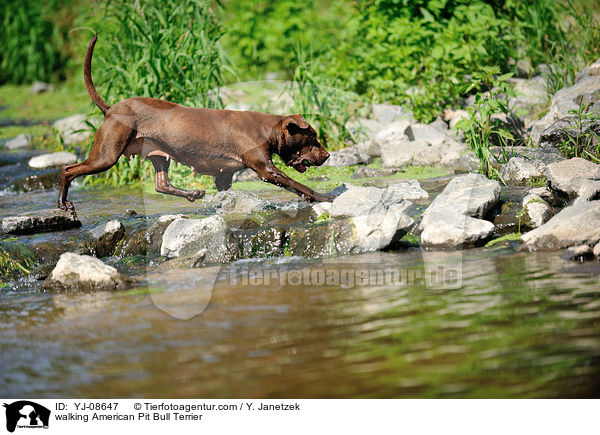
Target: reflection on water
{"points": [[519, 326]]}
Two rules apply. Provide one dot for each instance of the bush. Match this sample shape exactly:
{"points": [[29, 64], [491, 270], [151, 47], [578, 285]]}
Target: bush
{"points": [[167, 49], [34, 41]]}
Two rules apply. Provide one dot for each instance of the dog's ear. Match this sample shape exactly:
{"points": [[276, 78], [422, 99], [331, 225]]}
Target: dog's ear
{"points": [[293, 123]]}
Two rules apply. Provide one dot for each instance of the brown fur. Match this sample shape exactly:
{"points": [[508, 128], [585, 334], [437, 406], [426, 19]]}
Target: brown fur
{"points": [[212, 142]]}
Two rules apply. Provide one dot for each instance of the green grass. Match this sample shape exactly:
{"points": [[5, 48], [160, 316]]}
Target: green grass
{"points": [[512, 237]]}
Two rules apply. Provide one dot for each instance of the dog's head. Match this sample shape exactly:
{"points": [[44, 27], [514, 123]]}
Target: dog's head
{"points": [[300, 147]]}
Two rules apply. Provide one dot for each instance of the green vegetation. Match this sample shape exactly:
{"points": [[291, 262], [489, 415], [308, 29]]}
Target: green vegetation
{"points": [[14, 264], [337, 54], [512, 237]]}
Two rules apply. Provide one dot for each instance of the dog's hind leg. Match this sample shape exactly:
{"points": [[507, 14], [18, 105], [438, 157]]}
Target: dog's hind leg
{"points": [[162, 183], [111, 139]]}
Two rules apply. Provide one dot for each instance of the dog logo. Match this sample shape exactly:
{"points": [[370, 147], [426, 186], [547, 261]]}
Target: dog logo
{"points": [[26, 414]]}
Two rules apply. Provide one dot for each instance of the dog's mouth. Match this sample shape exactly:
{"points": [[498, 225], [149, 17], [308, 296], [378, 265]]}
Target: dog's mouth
{"points": [[300, 164]]}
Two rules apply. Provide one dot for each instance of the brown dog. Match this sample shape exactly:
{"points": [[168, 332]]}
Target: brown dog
{"points": [[212, 142]]}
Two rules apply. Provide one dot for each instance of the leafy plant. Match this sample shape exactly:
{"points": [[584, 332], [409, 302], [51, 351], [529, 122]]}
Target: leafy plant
{"points": [[482, 128], [583, 140], [168, 50], [324, 105]]}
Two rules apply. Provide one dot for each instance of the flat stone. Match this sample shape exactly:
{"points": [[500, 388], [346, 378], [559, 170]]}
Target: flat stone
{"points": [[363, 201], [454, 230], [75, 272], [538, 211], [568, 176], [239, 201], [40, 221], [578, 224], [409, 190], [60, 158], [21, 141]]}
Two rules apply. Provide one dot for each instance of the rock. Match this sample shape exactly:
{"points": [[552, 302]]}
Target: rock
{"points": [[39, 87], [409, 190], [353, 155], [73, 129], [363, 130], [453, 230], [147, 240], [75, 272], [367, 172], [545, 156], [21, 141], [379, 230], [454, 217], [402, 144], [362, 201], [239, 201], [569, 176], [387, 113], [538, 212], [575, 225], [245, 175], [60, 158], [206, 239], [260, 243], [44, 181], [106, 237], [531, 98], [519, 171], [565, 100], [440, 125], [454, 116], [465, 163], [321, 207], [129, 213], [40, 221], [471, 194], [597, 250], [578, 253], [524, 68]]}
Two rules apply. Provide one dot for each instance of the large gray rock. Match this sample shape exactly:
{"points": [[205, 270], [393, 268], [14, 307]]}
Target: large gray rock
{"points": [[454, 230], [571, 176], [105, 237], [402, 144], [21, 141], [353, 155], [454, 217], [387, 113], [545, 155], [75, 272], [362, 129], [519, 171], [73, 129], [204, 238], [60, 158], [578, 224], [565, 100], [40, 221], [377, 216]]}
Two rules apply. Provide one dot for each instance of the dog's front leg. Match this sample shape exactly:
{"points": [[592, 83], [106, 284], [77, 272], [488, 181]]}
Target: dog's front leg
{"points": [[270, 173]]}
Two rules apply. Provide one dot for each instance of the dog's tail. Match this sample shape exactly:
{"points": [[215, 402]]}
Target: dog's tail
{"points": [[87, 76]]}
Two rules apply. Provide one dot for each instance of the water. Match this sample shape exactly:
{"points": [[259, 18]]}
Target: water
{"points": [[520, 326]]}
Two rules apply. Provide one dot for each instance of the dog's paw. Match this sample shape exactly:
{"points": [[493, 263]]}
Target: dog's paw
{"points": [[195, 194], [66, 205]]}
